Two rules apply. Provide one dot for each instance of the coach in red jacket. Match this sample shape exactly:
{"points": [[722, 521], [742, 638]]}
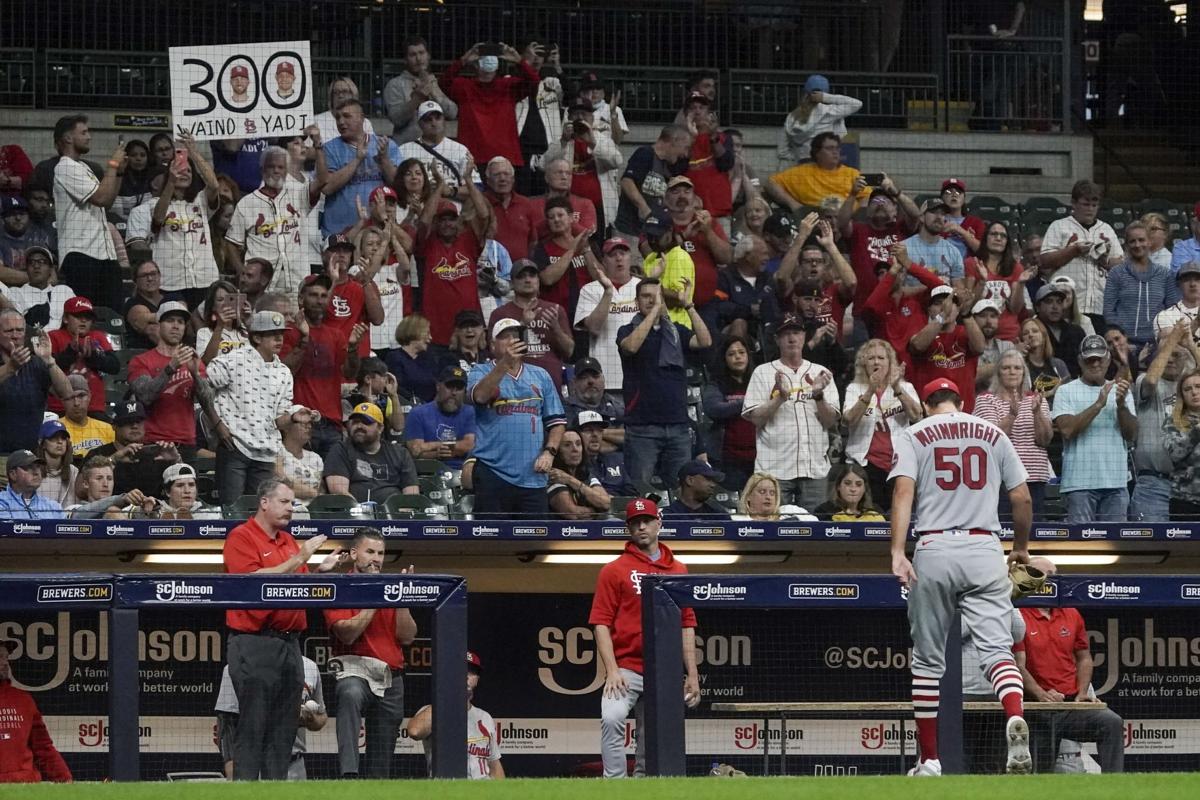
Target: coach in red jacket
{"points": [[26, 753], [487, 103], [617, 616]]}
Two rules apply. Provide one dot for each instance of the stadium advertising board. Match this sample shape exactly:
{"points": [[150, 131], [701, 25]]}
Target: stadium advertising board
{"points": [[253, 90]]}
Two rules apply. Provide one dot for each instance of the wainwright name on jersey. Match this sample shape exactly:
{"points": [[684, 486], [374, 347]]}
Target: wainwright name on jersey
{"points": [[958, 462]]}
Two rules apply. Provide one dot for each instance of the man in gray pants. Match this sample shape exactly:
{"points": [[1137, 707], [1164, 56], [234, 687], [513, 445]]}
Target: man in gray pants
{"points": [[369, 664]]}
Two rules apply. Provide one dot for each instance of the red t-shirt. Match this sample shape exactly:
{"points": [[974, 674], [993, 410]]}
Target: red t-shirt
{"points": [[347, 308], [949, 356], [564, 291], [172, 417], [59, 339], [1000, 289], [516, 224], [972, 225], [249, 549], [702, 258], [318, 382], [378, 639], [585, 181], [712, 185], [740, 440], [868, 247], [540, 353], [618, 601], [1050, 645], [449, 279], [583, 215]]}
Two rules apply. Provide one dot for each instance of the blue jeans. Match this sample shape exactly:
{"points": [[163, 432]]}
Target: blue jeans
{"points": [[660, 450], [1151, 501], [1097, 505], [238, 475]]}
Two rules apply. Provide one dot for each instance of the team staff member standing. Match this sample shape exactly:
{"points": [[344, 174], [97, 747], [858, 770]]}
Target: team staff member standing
{"points": [[27, 754], [954, 464], [617, 617], [264, 646], [368, 643], [515, 404]]}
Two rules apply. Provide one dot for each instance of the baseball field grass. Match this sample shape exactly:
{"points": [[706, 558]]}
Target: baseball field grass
{"points": [[1093, 787]]}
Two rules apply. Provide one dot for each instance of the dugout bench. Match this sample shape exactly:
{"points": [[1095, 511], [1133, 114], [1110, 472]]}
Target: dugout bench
{"points": [[900, 711]]}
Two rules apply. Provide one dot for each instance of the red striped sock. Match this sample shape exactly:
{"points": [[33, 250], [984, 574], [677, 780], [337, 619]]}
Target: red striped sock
{"points": [[925, 696], [1009, 687]]}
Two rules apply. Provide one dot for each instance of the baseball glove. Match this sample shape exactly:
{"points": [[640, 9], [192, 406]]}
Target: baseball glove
{"points": [[1026, 580]]}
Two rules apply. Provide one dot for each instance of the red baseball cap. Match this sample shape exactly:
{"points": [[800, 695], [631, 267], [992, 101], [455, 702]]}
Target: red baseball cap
{"points": [[614, 243], [937, 385], [239, 72], [286, 66], [446, 207], [641, 507], [473, 661], [79, 306], [954, 183], [384, 192]]}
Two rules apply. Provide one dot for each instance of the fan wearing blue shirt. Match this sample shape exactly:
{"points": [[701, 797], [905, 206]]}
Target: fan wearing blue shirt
{"points": [[443, 429], [21, 500], [519, 421], [351, 167], [930, 250]]}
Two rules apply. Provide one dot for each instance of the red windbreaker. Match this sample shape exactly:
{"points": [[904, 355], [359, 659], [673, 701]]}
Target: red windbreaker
{"points": [[27, 755]]}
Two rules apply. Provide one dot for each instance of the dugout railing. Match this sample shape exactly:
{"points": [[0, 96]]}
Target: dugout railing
{"points": [[663, 597], [124, 597]]}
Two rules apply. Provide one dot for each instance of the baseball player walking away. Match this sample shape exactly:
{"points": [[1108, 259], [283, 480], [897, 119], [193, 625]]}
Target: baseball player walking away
{"points": [[954, 464], [617, 617]]}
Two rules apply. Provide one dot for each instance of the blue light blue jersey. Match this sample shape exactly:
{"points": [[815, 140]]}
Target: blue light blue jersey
{"points": [[511, 427]]}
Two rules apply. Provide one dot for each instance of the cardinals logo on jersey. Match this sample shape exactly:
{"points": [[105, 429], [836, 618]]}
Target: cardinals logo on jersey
{"points": [[948, 356], [341, 308], [461, 268]]}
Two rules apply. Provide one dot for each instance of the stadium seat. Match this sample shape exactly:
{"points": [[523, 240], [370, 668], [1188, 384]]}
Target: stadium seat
{"points": [[431, 466], [1164, 207], [1045, 205], [332, 506], [465, 507], [124, 356], [436, 489], [616, 507], [243, 507], [991, 208], [412, 506], [113, 324]]}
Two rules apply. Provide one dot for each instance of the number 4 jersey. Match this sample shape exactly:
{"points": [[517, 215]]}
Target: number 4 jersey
{"points": [[960, 464]]}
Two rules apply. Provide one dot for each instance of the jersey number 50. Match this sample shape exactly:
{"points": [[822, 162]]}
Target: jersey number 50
{"points": [[956, 468]]}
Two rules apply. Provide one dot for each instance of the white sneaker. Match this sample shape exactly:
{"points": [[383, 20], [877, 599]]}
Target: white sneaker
{"points": [[1017, 735], [931, 768]]}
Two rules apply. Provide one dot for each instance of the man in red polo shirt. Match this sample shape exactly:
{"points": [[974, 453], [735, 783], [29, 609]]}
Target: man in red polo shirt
{"points": [[264, 646], [617, 617], [1056, 665], [353, 295], [321, 357], [516, 215], [368, 643], [169, 379]]}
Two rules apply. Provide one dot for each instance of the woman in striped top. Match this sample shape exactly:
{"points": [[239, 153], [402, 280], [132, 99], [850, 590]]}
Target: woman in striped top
{"points": [[1024, 415]]}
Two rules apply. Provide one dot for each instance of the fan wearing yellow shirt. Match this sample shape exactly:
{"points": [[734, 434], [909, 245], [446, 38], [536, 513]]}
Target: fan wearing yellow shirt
{"points": [[810, 183], [669, 263], [86, 432]]}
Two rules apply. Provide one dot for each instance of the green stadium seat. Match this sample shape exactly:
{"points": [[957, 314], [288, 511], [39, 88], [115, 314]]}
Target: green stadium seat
{"points": [[412, 506], [1045, 205], [243, 507], [332, 506], [1154, 204]]}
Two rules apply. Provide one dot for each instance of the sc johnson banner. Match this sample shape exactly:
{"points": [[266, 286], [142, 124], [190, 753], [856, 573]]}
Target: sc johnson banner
{"points": [[239, 91]]}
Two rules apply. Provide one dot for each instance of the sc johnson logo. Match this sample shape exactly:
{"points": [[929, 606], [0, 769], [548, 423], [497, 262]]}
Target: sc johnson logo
{"points": [[1137, 533], [837, 533], [1094, 533], [824, 591], [1179, 533], [747, 532], [1147, 738], [395, 530], [1051, 533], [718, 591], [75, 593], [485, 531], [411, 592], [287, 591], [1006, 533], [118, 530], [1113, 591], [572, 532], [212, 530], [30, 528], [439, 530], [304, 530], [1190, 591], [790, 531], [166, 530], [530, 530], [74, 529], [706, 531], [182, 591]]}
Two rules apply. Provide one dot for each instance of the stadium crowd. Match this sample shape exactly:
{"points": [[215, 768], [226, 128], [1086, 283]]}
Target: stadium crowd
{"points": [[525, 321]]}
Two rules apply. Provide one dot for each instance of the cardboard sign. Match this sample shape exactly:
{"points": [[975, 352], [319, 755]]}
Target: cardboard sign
{"points": [[240, 91]]}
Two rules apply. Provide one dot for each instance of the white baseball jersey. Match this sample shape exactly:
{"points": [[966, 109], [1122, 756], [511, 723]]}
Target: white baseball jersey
{"points": [[959, 463], [227, 700], [483, 744]]}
